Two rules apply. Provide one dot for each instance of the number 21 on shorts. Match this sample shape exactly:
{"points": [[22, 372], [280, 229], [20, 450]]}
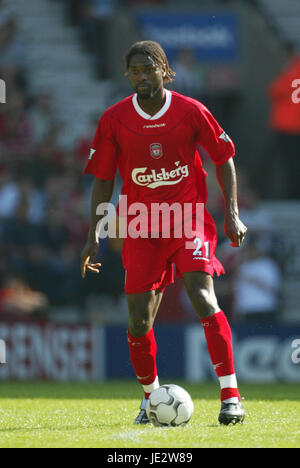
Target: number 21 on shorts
{"points": [[202, 249]]}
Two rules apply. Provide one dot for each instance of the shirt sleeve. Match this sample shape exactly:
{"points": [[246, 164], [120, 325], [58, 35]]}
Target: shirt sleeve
{"points": [[102, 162], [212, 137]]}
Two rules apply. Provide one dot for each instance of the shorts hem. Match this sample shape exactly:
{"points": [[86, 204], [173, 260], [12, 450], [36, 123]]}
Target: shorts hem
{"points": [[147, 289], [214, 267]]}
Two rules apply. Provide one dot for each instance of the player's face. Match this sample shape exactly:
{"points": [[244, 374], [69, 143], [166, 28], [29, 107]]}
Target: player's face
{"points": [[145, 76]]}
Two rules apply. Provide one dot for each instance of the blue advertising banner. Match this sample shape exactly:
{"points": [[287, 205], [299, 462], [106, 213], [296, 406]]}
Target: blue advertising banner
{"points": [[37, 350], [262, 354], [170, 358], [214, 37]]}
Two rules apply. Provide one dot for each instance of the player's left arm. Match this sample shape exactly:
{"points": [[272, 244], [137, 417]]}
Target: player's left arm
{"points": [[221, 149], [234, 228]]}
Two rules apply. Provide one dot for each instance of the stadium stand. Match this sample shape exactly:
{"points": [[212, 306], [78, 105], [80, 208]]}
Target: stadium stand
{"points": [[283, 17], [55, 94]]}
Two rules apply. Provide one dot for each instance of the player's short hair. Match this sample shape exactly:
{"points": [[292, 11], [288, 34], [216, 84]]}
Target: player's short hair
{"points": [[156, 52]]}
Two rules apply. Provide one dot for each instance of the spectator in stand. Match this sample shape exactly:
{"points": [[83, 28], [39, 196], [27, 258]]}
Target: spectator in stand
{"points": [[15, 79], [19, 301], [65, 209], [42, 117], [18, 232], [257, 285], [87, 25], [12, 47], [13, 193], [35, 198], [45, 162], [15, 127], [71, 285], [52, 188], [285, 120], [94, 22], [9, 194], [13, 59], [41, 269], [55, 234], [189, 75]]}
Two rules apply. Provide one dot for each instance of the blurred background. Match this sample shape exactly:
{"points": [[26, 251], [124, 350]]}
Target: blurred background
{"points": [[63, 64]]}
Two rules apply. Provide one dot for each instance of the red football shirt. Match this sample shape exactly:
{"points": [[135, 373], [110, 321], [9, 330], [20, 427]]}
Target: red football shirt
{"points": [[157, 155]]}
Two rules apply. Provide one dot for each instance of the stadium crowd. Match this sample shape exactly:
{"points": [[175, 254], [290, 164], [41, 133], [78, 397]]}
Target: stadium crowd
{"points": [[43, 196], [44, 202]]}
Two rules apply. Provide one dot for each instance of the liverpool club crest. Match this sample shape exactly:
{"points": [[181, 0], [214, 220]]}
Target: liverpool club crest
{"points": [[156, 150]]}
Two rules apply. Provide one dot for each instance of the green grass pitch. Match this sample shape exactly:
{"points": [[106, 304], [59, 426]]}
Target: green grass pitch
{"points": [[43, 414]]}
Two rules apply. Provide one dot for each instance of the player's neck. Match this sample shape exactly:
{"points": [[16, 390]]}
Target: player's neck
{"points": [[153, 104]]}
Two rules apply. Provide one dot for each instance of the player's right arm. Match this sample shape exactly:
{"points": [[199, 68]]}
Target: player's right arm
{"points": [[102, 163], [101, 193]]}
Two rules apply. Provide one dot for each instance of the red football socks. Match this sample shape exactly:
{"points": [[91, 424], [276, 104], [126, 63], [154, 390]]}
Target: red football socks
{"points": [[219, 342], [142, 352]]}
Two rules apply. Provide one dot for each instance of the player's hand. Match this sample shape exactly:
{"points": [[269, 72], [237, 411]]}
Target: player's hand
{"points": [[235, 230], [88, 255]]}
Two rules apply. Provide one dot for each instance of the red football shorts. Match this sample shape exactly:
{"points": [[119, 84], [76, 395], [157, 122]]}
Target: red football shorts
{"points": [[149, 262]]}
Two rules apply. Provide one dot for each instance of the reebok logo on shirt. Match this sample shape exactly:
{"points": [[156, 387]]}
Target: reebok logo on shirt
{"points": [[156, 179], [155, 125]]}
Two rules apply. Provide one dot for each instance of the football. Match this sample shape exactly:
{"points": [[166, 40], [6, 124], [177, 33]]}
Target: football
{"points": [[169, 405]]}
